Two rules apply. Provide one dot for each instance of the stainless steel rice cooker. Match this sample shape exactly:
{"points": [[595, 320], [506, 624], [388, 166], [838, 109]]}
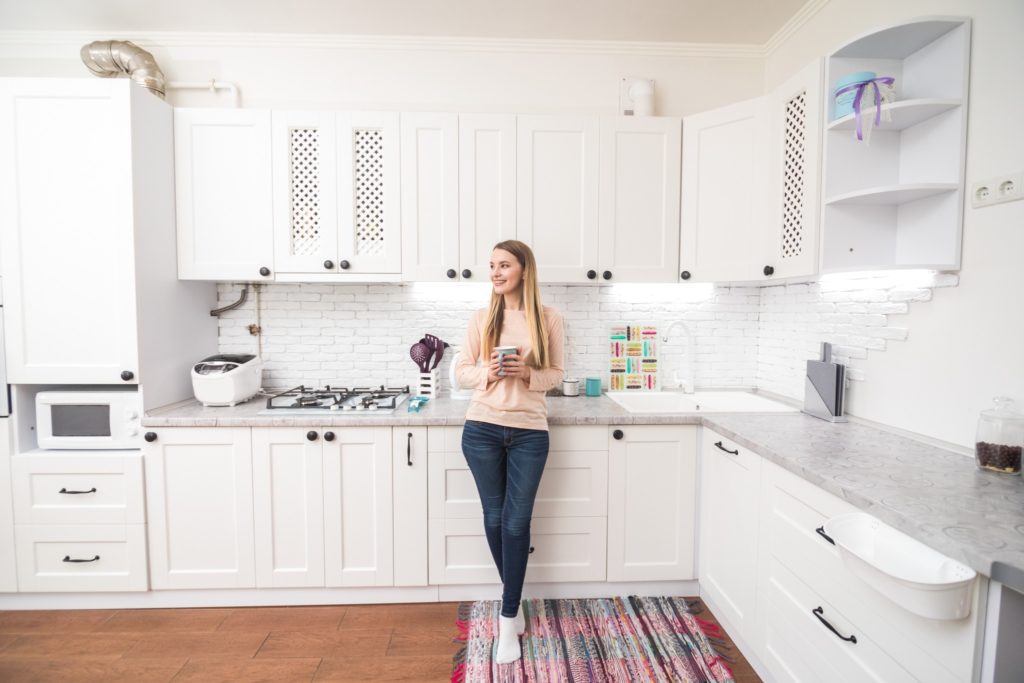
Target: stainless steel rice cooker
{"points": [[227, 379]]}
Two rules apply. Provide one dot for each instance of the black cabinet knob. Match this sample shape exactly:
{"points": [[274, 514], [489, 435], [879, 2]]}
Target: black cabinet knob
{"points": [[150, 437], [311, 435], [467, 273], [328, 436], [617, 434], [685, 275], [451, 273], [591, 274], [769, 270], [264, 271], [127, 375], [328, 264], [343, 265], [607, 275]]}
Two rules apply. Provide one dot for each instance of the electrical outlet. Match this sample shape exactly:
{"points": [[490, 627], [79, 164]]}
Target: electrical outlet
{"points": [[1005, 188]]}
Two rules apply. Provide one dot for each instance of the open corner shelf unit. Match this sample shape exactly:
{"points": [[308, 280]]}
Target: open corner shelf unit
{"points": [[895, 200]]}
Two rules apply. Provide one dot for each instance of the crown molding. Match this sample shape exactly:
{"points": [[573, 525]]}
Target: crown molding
{"points": [[158, 39], [795, 23]]}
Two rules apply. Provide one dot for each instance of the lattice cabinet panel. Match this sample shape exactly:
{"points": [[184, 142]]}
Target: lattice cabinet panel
{"points": [[369, 191], [794, 159], [306, 228]]}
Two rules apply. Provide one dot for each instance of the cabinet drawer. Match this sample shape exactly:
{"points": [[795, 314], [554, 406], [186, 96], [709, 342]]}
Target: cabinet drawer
{"points": [[714, 445], [78, 489], [574, 484], [934, 650], [799, 647], [565, 549], [45, 552]]}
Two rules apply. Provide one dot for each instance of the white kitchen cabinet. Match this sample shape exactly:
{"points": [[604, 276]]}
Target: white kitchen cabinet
{"points": [[358, 513], [729, 487], [430, 197], [638, 221], [337, 203], [556, 194], [81, 558], [409, 471], [487, 190], [222, 166], [8, 568], [75, 487], [652, 474], [87, 227], [199, 499], [288, 498], [723, 192]]}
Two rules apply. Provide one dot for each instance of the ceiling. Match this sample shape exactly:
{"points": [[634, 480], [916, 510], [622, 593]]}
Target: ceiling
{"points": [[682, 21]]}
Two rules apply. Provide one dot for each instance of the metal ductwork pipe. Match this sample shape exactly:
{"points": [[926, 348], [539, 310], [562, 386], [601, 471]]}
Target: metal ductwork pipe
{"points": [[111, 58]]}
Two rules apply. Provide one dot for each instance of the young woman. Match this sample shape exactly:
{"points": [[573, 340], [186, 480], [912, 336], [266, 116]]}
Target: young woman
{"points": [[505, 440]]}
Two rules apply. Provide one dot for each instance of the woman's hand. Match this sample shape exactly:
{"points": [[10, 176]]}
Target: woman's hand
{"points": [[515, 366], [493, 368]]}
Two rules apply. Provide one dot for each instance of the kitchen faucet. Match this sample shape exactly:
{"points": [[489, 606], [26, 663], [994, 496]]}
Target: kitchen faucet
{"points": [[687, 385]]}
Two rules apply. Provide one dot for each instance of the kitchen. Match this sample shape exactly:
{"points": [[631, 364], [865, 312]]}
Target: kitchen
{"points": [[166, 210]]}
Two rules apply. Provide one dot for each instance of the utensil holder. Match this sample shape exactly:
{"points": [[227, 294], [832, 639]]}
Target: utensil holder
{"points": [[427, 384]]}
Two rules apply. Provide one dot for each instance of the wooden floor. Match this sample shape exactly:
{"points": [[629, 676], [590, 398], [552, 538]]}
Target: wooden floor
{"points": [[332, 643]]}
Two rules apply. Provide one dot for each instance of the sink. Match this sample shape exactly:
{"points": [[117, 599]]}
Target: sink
{"points": [[699, 402]]}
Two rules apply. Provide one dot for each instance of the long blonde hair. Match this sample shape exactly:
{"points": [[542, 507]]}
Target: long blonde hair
{"points": [[531, 304]]}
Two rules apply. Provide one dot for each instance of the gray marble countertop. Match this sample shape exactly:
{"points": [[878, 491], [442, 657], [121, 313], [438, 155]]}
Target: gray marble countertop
{"points": [[934, 495]]}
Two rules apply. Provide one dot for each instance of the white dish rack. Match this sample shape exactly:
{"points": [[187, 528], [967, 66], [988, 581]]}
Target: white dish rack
{"points": [[906, 571]]}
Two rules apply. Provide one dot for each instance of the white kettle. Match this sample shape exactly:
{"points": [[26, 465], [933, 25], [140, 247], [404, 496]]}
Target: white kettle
{"points": [[458, 392]]}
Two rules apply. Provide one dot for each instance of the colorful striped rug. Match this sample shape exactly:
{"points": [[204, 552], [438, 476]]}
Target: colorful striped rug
{"points": [[628, 639]]}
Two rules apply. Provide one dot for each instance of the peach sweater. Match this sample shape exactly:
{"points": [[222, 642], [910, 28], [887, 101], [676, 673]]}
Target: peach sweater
{"points": [[510, 402]]}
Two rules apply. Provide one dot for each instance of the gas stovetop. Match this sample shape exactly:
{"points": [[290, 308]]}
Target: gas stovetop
{"points": [[335, 400]]}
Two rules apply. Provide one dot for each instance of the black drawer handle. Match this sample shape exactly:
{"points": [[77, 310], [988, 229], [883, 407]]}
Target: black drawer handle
{"points": [[531, 550], [821, 532], [818, 611], [408, 450], [92, 490], [67, 558], [719, 446]]}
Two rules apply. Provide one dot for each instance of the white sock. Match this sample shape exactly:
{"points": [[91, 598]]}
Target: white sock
{"points": [[520, 622], [508, 641]]}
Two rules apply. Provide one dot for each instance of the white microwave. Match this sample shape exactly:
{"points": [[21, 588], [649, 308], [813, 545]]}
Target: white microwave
{"points": [[88, 419]]}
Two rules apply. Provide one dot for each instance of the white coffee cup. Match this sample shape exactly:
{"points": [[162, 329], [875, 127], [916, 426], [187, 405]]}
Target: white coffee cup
{"points": [[502, 352]]}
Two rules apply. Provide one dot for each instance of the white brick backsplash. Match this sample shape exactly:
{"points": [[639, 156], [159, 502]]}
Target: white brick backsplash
{"points": [[744, 336]]}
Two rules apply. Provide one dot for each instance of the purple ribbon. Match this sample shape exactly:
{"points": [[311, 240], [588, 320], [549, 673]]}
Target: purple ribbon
{"points": [[859, 87]]}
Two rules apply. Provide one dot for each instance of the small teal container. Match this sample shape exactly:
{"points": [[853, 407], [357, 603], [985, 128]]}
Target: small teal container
{"points": [[844, 102], [593, 386]]}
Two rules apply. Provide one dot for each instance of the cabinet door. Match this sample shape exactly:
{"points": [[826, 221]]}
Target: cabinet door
{"points": [[487, 189], [369, 224], [288, 492], [430, 197], [556, 194], [223, 190], [199, 508], [639, 217], [8, 569], [305, 192], [358, 538], [651, 502], [66, 225], [791, 236], [723, 218], [729, 489], [409, 464]]}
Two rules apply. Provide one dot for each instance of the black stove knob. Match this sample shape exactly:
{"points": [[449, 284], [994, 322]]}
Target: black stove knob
{"points": [[311, 435]]}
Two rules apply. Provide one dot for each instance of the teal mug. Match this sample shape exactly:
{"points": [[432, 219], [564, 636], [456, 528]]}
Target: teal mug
{"points": [[593, 386]]}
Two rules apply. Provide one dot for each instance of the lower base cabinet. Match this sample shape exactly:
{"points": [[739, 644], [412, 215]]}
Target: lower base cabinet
{"points": [[652, 502], [103, 557]]}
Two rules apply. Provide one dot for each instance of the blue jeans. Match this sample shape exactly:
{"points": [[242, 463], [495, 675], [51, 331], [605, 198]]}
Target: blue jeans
{"points": [[507, 464]]}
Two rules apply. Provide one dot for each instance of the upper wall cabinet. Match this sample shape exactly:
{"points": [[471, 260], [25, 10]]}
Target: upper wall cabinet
{"points": [[336, 193], [898, 202], [639, 188], [750, 186], [556, 194], [223, 191]]}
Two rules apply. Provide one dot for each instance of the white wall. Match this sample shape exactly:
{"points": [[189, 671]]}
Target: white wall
{"points": [[963, 347], [415, 74]]}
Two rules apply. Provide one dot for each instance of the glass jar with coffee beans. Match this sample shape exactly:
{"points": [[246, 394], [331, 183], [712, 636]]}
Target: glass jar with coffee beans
{"points": [[1000, 439]]}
